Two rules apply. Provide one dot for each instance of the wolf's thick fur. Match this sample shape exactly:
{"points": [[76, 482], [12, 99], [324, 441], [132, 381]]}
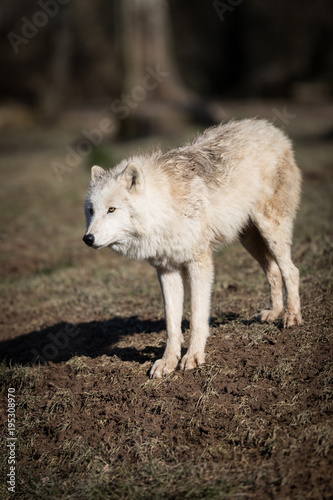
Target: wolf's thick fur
{"points": [[237, 180]]}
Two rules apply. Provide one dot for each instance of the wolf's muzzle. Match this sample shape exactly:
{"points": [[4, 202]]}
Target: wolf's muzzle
{"points": [[89, 239]]}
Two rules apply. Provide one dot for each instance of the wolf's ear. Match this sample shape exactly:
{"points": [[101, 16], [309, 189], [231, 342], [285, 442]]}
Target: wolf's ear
{"points": [[133, 177], [96, 173]]}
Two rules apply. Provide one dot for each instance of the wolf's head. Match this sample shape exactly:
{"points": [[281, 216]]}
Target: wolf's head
{"points": [[113, 207]]}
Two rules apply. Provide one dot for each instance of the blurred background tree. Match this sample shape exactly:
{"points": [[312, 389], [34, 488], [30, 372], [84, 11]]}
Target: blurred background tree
{"points": [[57, 54]]}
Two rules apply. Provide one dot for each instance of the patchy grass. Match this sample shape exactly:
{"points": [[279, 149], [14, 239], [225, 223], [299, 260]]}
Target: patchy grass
{"points": [[254, 422]]}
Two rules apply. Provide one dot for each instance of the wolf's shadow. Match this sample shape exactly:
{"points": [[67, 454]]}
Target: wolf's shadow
{"points": [[62, 341]]}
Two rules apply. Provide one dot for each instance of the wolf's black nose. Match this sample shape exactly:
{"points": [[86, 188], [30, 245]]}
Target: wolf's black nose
{"points": [[89, 239]]}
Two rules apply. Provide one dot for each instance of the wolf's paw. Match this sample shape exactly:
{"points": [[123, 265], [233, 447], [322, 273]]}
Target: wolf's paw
{"points": [[190, 361], [268, 316], [162, 367], [292, 319]]}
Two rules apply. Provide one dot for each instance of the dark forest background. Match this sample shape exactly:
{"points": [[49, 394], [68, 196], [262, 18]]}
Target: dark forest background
{"points": [[57, 54]]}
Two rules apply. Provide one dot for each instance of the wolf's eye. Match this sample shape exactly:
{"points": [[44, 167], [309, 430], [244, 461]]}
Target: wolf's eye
{"points": [[111, 209], [91, 211]]}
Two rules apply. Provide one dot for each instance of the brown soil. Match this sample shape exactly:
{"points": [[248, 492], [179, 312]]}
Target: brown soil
{"points": [[254, 422]]}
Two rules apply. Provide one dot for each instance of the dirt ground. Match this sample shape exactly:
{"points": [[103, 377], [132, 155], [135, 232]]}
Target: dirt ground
{"points": [[80, 330]]}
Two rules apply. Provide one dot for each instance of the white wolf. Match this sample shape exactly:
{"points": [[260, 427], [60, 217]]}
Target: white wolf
{"points": [[237, 180]]}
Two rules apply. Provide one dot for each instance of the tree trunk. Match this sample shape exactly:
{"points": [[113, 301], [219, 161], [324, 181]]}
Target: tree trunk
{"points": [[145, 41]]}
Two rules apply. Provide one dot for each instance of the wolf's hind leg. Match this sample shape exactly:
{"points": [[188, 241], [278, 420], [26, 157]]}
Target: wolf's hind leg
{"points": [[280, 248], [254, 243], [200, 274], [173, 296], [278, 238]]}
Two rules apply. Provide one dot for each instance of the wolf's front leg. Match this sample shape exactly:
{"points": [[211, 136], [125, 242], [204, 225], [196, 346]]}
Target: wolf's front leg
{"points": [[200, 273], [173, 296]]}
